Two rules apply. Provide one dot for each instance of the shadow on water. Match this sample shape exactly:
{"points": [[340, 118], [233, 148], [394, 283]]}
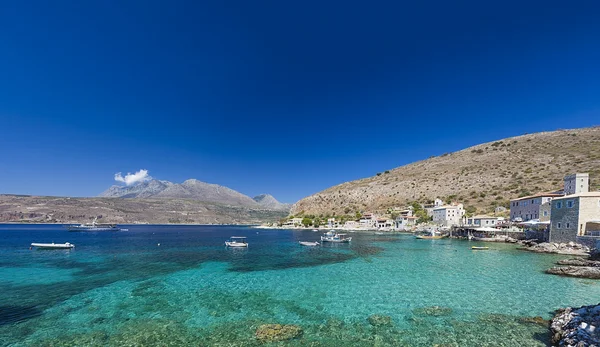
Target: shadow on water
{"points": [[14, 314]]}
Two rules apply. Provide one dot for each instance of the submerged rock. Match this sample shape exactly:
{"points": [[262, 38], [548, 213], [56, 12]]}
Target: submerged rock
{"points": [[535, 320], [377, 320], [277, 332], [435, 311], [576, 271], [576, 326]]}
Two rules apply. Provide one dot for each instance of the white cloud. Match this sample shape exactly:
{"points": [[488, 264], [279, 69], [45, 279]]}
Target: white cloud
{"points": [[129, 179]]}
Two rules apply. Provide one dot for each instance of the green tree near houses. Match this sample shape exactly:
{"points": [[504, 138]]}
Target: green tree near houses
{"points": [[306, 221]]}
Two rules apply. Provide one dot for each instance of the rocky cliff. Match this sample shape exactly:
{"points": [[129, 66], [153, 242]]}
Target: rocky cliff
{"points": [[483, 176]]}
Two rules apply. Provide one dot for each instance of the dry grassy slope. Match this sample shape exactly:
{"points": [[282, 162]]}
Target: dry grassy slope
{"points": [[483, 176]]}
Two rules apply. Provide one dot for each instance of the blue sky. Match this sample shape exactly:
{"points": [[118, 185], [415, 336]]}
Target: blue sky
{"points": [[280, 97]]}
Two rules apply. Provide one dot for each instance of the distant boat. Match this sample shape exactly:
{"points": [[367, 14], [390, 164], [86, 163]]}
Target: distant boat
{"points": [[236, 241], [93, 226], [479, 248], [53, 245], [430, 235], [308, 243], [331, 236]]}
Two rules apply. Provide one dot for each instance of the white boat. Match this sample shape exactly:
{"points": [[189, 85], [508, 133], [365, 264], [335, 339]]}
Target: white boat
{"points": [[53, 245], [93, 226], [236, 241], [308, 243], [331, 236]]}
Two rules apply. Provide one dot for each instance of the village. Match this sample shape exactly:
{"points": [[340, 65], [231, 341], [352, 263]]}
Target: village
{"points": [[570, 214]]}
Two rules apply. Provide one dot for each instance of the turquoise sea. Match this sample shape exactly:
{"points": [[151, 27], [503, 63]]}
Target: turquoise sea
{"points": [[180, 286]]}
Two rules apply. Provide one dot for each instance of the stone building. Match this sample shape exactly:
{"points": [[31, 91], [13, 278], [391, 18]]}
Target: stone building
{"points": [[571, 214], [577, 183], [448, 215], [529, 207]]}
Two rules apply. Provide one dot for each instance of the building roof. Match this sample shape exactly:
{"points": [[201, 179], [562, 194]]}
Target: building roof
{"points": [[538, 195], [482, 216], [445, 207], [580, 195]]}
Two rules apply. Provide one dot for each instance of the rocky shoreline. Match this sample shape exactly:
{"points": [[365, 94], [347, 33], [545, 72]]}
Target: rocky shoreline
{"points": [[570, 248], [577, 327]]}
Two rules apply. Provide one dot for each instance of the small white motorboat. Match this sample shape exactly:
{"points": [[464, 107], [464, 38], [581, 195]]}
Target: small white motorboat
{"points": [[53, 245], [236, 241], [308, 243]]}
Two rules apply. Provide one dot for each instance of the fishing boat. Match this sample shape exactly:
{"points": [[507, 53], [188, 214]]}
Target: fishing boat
{"points": [[308, 243], [93, 226], [53, 245], [236, 241], [479, 248], [431, 235], [331, 236]]}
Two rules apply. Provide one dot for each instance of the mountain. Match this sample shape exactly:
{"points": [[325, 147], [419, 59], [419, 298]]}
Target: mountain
{"points": [[191, 189], [481, 177], [269, 202]]}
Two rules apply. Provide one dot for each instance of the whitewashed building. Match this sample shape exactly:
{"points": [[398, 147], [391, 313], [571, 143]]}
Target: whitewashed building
{"points": [[448, 215]]}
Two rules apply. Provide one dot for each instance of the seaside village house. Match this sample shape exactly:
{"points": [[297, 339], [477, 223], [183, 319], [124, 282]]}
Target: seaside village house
{"points": [[448, 215], [368, 221], [293, 223], [577, 213], [430, 207], [532, 207], [405, 220], [483, 221]]}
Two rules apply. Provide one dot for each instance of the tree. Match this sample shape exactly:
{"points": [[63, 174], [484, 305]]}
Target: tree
{"points": [[358, 215], [306, 221]]}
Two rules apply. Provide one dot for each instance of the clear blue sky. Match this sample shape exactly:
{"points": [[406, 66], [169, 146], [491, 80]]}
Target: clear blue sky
{"points": [[280, 97]]}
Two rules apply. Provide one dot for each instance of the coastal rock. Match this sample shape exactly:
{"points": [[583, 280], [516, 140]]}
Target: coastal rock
{"points": [[560, 248], [377, 320], [576, 271], [435, 311], [277, 332], [576, 327], [579, 262]]}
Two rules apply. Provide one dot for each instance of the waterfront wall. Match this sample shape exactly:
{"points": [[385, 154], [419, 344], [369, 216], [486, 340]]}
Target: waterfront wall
{"points": [[593, 242]]}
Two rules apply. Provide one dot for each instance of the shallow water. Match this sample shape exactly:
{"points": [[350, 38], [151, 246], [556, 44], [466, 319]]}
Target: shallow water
{"points": [[124, 288]]}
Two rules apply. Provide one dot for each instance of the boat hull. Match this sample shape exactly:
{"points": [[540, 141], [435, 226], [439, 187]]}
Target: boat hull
{"points": [[78, 228], [337, 241], [235, 244], [53, 245], [479, 248], [305, 243]]}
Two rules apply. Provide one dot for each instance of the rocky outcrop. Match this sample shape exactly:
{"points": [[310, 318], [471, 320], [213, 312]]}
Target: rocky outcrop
{"points": [[579, 262], [522, 165], [575, 271], [277, 332], [378, 320], [576, 327], [570, 248]]}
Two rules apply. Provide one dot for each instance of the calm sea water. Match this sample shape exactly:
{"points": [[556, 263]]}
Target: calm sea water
{"points": [[123, 288]]}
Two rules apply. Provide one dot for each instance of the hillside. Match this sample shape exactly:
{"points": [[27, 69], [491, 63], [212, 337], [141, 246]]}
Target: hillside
{"points": [[44, 209], [483, 176]]}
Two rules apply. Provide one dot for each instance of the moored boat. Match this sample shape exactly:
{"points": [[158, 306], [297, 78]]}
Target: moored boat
{"points": [[432, 234], [479, 248], [335, 237], [236, 241], [308, 243], [93, 226], [53, 245]]}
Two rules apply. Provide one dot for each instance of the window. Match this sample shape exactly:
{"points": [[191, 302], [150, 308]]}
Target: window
{"points": [[545, 213], [567, 226], [569, 203], [558, 225], [559, 204]]}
